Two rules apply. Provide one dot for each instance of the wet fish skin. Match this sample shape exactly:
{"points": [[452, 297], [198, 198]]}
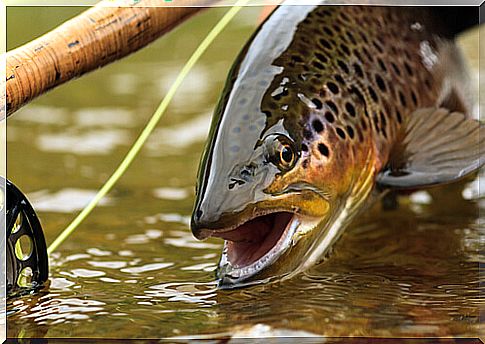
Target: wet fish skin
{"points": [[337, 84]]}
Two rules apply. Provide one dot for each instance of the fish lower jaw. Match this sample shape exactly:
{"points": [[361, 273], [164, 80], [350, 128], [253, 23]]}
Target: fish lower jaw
{"points": [[232, 275]]}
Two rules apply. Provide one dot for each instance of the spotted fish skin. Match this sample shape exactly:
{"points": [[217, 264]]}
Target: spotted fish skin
{"points": [[338, 82], [350, 78]]}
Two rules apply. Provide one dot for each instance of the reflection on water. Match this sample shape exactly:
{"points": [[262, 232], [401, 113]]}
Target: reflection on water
{"points": [[65, 200], [133, 269]]}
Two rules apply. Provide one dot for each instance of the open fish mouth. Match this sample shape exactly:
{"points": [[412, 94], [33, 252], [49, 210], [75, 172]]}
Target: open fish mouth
{"points": [[253, 246]]}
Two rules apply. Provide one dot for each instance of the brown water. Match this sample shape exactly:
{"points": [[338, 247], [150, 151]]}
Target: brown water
{"points": [[133, 268]]}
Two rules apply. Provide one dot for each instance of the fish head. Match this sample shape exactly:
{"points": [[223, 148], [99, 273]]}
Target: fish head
{"points": [[268, 185], [273, 176]]}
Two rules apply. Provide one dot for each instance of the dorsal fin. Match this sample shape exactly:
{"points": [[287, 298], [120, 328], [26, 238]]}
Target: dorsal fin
{"points": [[435, 146]]}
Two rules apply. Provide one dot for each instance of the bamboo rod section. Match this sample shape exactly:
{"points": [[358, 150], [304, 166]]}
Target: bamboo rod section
{"points": [[96, 37]]}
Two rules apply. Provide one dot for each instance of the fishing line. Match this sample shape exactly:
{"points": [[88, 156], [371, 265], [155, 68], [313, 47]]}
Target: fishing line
{"points": [[135, 149]]}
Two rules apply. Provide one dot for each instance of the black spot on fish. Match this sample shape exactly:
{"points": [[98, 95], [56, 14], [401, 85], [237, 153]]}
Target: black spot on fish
{"points": [[367, 54], [323, 149], [329, 117], [333, 87], [375, 117], [307, 134], [321, 57], [332, 106], [327, 30], [351, 38], [318, 103], [318, 65], [384, 133], [380, 83], [382, 65], [324, 43], [337, 28], [350, 109], [414, 98], [235, 149], [236, 130], [383, 118], [402, 98], [428, 83], [317, 125], [304, 147], [252, 127], [345, 17], [364, 38], [408, 68], [297, 59], [373, 94], [246, 117], [350, 131], [378, 46], [396, 69], [398, 116], [358, 70], [345, 49], [341, 133], [339, 79], [343, 66]]}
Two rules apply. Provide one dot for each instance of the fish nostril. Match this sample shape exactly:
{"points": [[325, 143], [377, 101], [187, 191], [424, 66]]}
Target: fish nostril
{"points": [[235, 182], [247, 171], [198, 214]]}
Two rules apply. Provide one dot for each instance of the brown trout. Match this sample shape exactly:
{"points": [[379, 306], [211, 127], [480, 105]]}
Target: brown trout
{"points": [[326, 109]]}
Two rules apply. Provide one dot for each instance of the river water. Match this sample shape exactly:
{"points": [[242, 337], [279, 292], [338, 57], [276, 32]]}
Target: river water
{"points": [[133, 269]]}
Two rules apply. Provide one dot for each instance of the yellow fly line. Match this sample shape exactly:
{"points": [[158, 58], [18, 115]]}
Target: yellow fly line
{"points": [[135, 149]]}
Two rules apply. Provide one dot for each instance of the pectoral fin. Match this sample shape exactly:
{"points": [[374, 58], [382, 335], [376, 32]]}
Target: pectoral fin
{"points": [[435, 146]]}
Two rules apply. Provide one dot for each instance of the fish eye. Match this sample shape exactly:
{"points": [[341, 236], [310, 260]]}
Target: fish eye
{"points": [[286, 154], [281, 152]]}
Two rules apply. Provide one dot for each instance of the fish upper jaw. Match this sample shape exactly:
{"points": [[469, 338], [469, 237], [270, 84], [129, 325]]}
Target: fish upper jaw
{"points": [[258, 236]]}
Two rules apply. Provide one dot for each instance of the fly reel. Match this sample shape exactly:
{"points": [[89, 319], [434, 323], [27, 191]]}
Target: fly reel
{"points": [[27, 260]]}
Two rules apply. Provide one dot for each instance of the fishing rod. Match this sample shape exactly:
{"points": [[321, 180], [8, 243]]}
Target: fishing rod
{"points": [[27, 254]]}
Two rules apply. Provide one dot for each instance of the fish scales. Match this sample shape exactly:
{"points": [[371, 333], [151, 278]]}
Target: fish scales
{"points": [[359, 78], [325, 110]]}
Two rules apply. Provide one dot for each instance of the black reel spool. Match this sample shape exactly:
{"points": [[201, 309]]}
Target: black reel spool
{"points": [[27, 260]]}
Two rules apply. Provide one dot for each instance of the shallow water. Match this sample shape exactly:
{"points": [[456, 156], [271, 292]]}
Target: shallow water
{"points": [[133, 268]]}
